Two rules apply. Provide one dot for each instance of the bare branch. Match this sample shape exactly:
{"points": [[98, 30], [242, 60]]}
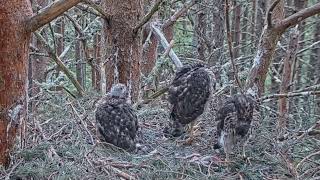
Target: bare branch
{"points": [[298, 17], [49, 13], [97, 8], [57, 60], [291, 94], [179, 13], [147, 17], [269, 13], [166, 45]]}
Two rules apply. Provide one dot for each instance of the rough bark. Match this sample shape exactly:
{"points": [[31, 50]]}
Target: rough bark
{"points": [[201, 32], [253, 27], [237, 31], [315, 64], [96, 70], [285, 80], [261, 8], [266, 48], [124, 46], [80, 69], [49, 13], [14, 44], [17, 23], [150, 47], [37, 71], [217, 32], [244, 33], [299, 4]]}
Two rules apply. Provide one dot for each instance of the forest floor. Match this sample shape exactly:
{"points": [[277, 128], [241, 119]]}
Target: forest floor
{"points": [[60, 143]]}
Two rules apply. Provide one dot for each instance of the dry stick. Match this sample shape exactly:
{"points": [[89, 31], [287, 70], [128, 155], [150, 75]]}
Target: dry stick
{"points": [[82, 39], [306, 158], [147, 17], [97, 8], [51, 148], [166, 45], [82, 122], [234, 67], [310, 131], [179, 13], [12, 169], [90, 10], [291, 94], [58, 61], [163, 90]]}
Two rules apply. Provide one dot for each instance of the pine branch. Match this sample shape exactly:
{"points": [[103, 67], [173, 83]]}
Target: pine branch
{"points": [[49, 13], [298, 17], [57, 60], [149, 15]]}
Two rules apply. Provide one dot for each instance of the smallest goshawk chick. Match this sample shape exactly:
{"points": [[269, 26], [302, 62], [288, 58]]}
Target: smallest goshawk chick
{"points": [[116, 121], [235, 118]]}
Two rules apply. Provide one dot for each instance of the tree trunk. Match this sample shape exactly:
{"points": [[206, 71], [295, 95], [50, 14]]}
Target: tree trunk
{"points": [[261, 9], [96, 69], [14, 44], [315, 64], [299, 4], [80, 68], [124, 47], [266, 48], [237, 31], [285, 80], [217, 32], [253, 26], [201, 32], [245, 25], [38, 66], [150, 43]]}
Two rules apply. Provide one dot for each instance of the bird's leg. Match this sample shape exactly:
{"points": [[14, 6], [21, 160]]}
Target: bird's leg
{"points": [[191, 133], [244, 156]]}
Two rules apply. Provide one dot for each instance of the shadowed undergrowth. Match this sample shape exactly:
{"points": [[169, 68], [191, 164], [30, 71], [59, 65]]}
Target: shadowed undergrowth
{"points": [[60, 143]]}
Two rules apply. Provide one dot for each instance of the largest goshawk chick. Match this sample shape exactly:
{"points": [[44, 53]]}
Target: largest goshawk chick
{"points": [[188, 94], [116, 121]]}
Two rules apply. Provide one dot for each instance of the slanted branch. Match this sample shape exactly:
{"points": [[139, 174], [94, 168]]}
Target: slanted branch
{"points": [[61, 65], [166, 45], [49, 13], [270, 38]]}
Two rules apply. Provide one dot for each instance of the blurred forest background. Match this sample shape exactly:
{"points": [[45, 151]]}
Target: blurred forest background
{"points": [[74, 60]]}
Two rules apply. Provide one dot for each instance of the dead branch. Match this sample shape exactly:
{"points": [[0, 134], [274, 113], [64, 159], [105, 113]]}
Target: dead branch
{"points": [[49, 13], [166, 45], [81, 120], [179, 13], [152, 97], [97, 8], [290, 94], [61, 65], [166, 52], [298, 17], [147, 17], [306, 158], [229, 36], [79, 30], [269, 13], [90, 10]]}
